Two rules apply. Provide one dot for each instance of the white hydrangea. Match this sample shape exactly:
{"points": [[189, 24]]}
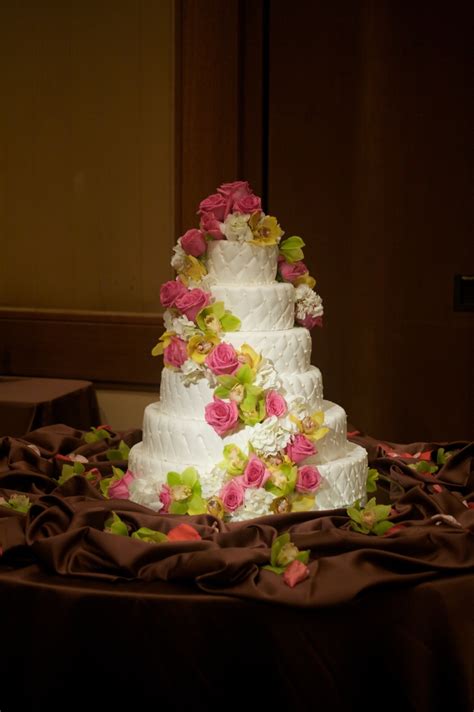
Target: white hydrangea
{"points": [[257, 502], [178, 261], [298, 406], [212, 482], [267, 376], [308, 302], [272, 435], [179, 324], [192, 372], [236, 228], [143, 491]]}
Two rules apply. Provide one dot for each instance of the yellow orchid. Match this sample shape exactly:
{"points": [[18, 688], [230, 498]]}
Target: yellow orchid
{"points": [[193, 270], [200, 345], [305, 279], [249, 356], [312, 426], [266, 231], [165, 340]]}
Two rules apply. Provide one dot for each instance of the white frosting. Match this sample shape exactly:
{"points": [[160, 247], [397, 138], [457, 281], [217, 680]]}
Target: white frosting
{"points": [[261, 307], [190, 400], [241, 263], [290, 350], [344, 478]]}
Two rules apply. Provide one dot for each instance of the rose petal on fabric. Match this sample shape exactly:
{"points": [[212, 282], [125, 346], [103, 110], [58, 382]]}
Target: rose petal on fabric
{"points": [[183, 532], [295, 573]]}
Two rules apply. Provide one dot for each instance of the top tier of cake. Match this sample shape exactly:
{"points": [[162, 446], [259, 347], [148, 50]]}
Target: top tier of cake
{"points": [[241, 263]]}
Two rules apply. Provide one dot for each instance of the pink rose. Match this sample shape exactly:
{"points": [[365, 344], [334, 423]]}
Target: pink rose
{"points": [[248, 204], [120, 489], [309, 321], [255, 473], [192, 301], [211, 226], [236, 190], [193, 242], [295, 573], [175, 354], [222, 416], [299, 448], [308, 480], [232, 495], [170, 291], [216, 204], [223, 359], [165, 498], [275, 404], [291, 272]]}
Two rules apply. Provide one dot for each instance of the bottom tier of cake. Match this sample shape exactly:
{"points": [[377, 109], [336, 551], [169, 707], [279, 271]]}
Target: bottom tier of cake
{"points": [[343, 482]]}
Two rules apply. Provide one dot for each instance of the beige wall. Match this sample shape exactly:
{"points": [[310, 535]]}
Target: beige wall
{"points": [[86, 153], [124, 409]]}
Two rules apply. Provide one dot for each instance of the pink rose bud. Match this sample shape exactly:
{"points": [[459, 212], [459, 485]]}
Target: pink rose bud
{"points": [[310, 321], [275, 404], [170, 291], [299, 448], [308, 480], [255, 473], [120, 489], [222, 416], [248, 204], [291, 272], [192, 302], [211, 226], [193, 242], [216, 204], [165, 498], [223, 359], [232, 495], [184, 532], [295, 573], [175, 354]]}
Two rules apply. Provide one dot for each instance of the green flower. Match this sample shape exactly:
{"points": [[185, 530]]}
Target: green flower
{"points": [[215, 318], [249, 398], [234, 460], [115, 525], [97, 434], [186, 492], [372, 477], [424, 467], [282, 480], [283, 553], [18, 502], [120, 453], [149, 535], [107, 481], [68, 471], [291, 249], [370, 520]]}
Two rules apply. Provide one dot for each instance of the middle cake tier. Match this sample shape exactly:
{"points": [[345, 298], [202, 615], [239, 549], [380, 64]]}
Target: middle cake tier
{"points": [[179, 439], [260, 307]]}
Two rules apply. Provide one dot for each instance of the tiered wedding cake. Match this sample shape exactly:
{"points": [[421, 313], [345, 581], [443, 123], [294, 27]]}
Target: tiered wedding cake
{"points": [[241, 428]]}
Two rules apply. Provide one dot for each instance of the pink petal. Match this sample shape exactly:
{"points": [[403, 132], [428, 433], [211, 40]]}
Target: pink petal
{"points": [[183, 532], [295, 573]]}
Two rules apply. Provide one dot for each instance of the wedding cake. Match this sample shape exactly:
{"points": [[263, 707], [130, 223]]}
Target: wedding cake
{"points": [[241, 428]]}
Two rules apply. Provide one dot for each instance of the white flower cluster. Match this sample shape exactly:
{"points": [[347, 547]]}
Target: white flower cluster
{"points": [[179, 324], [236, 228], [144, 491], [178, 261], [212, 482], [191, 372], [257, 502], [272, 435], [308, 302], [267, 376]]}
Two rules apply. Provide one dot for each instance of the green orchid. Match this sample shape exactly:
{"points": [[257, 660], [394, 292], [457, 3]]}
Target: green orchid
{"points": [[186, 492], [18, 502], [215, 318], [372, 519], [234, 461], [442, 456], [282, 480], [424, 467], [283, 552], [149, 535], [106, 482], [372, 477], [77, 469], [291, 249], [115, 525], [97, 435], [249, 398], [120, 453]]}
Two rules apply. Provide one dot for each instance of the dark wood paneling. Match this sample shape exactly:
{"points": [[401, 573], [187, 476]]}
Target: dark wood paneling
{"points": [[371, 162], [107, 348]]}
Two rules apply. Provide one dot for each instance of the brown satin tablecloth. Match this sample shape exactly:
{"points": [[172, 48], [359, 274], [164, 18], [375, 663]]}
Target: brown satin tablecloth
{"points": [[91, 620]]}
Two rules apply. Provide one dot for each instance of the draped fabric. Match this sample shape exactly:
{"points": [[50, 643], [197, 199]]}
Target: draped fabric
{"points": [[367, 601]]}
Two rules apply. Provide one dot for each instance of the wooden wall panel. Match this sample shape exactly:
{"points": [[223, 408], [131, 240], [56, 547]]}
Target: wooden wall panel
{"points": [[371, 162]]}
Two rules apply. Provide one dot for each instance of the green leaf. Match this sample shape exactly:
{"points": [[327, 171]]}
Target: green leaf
{"points": [[227, 381], [118, 473], [221, 392], [120, 453], [114, 525], [197, 505], [229, 322], [67, 472], [424, 467], [245, 375], [179, 507], [189, 477], [149, 535], [249, 403], [372, 477], [277, 546], [274, 569], [96, 435], [303, 556], [173, 478], [104, 485], [381, 528]]}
